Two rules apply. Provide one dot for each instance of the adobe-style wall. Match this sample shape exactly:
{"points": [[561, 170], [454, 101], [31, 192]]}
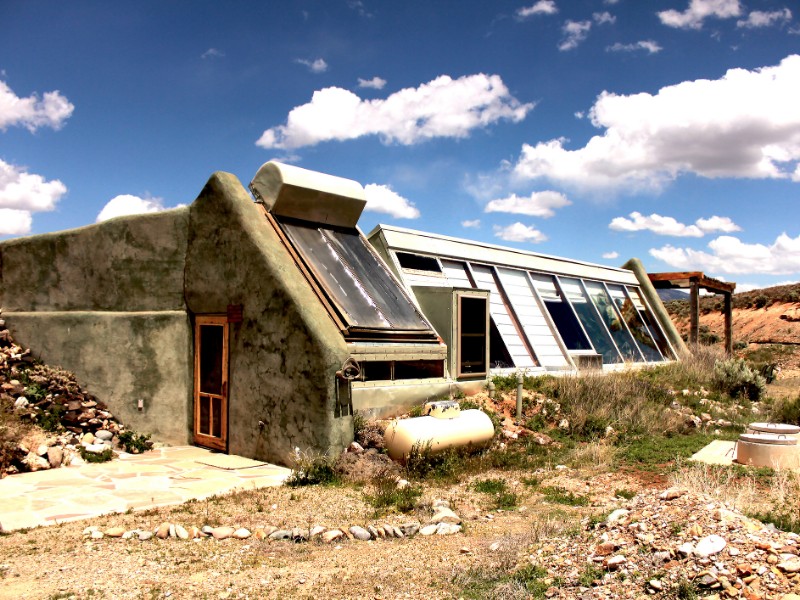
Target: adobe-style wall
{"points": [[106, 302], [285, 353]]}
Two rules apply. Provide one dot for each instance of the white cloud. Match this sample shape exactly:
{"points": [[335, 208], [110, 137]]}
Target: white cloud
{"points": [[538, 204], [15, 222], [698, 11], [376, 83], [715, 223], [31, 112], [20, 190], [126, 204], [212, 53], [519, 233], [745, 124], [610, 255], [731, 255], [650, 46], [604, 18], [574, 32], [383, 199], [542, 7], [444, 107], [471, 224], [760, 18], [669, 226], [315, 66]]}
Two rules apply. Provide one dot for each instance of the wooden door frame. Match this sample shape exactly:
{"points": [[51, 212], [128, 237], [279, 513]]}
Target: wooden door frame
{"points": [[208, 441]]}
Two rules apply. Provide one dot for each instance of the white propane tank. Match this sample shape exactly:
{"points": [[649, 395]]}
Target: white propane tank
{"points": [[471, 428]]}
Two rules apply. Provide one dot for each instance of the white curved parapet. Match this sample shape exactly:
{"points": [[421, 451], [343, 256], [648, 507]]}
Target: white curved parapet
{"points": [[290, 191]]}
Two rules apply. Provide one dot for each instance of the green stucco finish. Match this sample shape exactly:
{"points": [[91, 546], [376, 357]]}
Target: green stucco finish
{"points": [[115, 303], [285, 353]]}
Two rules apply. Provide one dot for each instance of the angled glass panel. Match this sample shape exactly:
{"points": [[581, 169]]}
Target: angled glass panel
{"points": [[564, 319], [630, 314], [650, 321], [354, 278], [589, 317], [613, 321]]}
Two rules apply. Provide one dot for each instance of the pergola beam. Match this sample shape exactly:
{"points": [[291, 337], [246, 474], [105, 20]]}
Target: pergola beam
{"points": [[695, 281]]}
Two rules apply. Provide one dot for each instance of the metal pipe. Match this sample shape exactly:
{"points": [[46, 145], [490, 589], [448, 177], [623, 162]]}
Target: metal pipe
{"points": [[520, 379]]}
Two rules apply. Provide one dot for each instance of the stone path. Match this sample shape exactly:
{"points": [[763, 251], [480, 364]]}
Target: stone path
{"points": [[161, 477]]}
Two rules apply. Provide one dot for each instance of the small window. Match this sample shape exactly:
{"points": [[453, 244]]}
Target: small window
{"points": [[472, 335], [417, 262], [390, 370]]}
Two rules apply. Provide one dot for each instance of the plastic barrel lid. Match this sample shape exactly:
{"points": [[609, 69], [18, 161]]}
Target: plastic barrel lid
{"points": [[768, 438]]}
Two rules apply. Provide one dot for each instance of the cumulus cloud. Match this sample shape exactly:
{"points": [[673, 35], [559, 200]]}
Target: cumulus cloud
{"points": [[518, 232], [649, 46], [745, 124], [698, 11], [471, 224], [212, 53], [315, 66], [731, 255], [127, 204], [21, 190], [383, 199], [538, 204], [610, 255], [376, 83], [542, 7], [759, 18], [15, 222], [444, 107], [574, 32], [669, 226], [52, 110], [23, 193]]}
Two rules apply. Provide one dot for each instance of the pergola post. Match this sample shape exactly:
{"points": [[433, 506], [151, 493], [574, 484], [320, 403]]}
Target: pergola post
{"points": [[728, 323], [694, 313]]}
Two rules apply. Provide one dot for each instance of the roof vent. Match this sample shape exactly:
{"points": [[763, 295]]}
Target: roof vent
{"points": [[289, 191]]}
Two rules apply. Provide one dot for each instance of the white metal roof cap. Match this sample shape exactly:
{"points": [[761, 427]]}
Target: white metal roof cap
{"points": [[290, 191]]}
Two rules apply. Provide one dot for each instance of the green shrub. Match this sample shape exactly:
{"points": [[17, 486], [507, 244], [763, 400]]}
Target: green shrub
{"points": [[760, 301], [92, 457], [50, 420], [559, 495], [386, 495], [133, 442], [786, 411], [735, 378], [312, 469], [490, 486]]}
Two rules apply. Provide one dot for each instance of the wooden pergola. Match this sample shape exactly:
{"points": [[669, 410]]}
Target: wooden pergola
{"points": [[694, 280]]}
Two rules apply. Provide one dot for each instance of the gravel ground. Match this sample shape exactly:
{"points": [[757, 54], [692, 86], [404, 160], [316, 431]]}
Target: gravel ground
{"points": [[60, 562]]}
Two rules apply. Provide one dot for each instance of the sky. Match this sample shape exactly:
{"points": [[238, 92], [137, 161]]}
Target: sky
{"points": [[598, 130]]}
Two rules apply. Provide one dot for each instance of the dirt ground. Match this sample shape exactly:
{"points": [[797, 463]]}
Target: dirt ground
{"points": [[60, 562]]}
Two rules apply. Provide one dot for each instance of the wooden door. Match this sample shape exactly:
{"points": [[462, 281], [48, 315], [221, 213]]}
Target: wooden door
{"points": [[211, 382]]}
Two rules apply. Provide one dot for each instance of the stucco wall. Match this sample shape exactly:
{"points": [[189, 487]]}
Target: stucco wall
{"points": [[284, 355], [106, 302]]}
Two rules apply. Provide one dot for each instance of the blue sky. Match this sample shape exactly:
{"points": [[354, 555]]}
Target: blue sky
{"points": [[591, 129]]}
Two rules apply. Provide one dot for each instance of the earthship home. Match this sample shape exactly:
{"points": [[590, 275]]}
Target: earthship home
{"points": [[255, 328]]}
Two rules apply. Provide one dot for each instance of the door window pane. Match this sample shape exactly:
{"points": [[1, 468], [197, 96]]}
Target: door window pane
{"points": [[205, 415], [211, 359], [472, 338]]}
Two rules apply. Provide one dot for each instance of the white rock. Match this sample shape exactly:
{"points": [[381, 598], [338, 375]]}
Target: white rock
{"points": [[709, 545], [95, 448], [428, 529], [103, 434], [242, 533], [687, 549], [360, 533], [617, 515], [181, 533], [615, 562], [402, 484], [447, 528], [21, 403], [445, 515], [331, 535]]}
